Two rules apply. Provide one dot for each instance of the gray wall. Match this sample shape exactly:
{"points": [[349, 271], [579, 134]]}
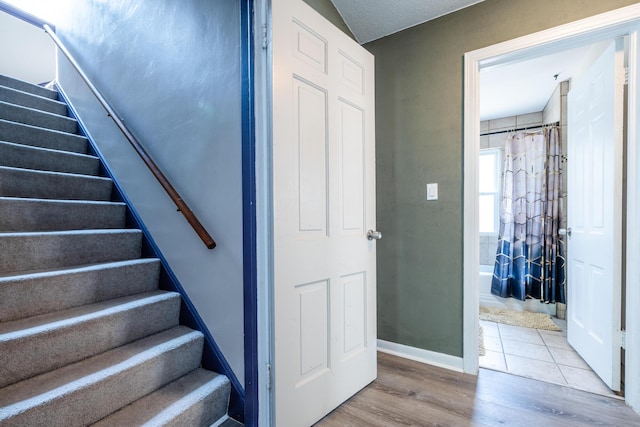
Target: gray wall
{"points": [[329, 11], [419, 137], [172, 70]]}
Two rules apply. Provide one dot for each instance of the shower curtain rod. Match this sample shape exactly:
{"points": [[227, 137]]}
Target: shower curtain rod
{"points": [[522, 128]]}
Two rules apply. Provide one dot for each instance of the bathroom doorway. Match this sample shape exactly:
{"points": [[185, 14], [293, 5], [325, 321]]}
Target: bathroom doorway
{"points": [[515, 112], [601, 27]]}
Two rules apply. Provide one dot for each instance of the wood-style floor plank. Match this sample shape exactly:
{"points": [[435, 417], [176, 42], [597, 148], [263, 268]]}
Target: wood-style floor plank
{"points": [[408, 393]]}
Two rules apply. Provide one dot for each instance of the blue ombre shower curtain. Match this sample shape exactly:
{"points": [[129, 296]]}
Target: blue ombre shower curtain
{"points": [[530, 256]]}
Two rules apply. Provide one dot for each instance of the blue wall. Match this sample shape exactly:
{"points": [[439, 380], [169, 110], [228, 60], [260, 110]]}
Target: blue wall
{"points": [[172, 70]]}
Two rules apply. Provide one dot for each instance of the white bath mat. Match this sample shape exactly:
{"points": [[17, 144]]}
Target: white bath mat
{"points": [[518, 318]]}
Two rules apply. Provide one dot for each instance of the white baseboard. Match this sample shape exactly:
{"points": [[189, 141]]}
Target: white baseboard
{"points": [[420, 355]]}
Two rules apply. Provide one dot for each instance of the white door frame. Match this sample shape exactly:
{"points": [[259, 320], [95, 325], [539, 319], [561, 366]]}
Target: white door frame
{"points": [[264, 208], [624, 21]]}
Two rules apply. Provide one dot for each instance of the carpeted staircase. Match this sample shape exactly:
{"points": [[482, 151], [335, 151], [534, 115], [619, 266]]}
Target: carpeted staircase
{"points": [[86, 336]]}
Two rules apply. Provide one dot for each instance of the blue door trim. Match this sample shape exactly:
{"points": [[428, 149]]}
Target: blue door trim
{"points": [[249, 216]]}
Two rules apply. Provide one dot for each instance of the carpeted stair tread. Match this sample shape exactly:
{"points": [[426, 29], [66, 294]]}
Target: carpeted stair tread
{"points": [[87, 391], [17, 182], [197, 400], [41, 250], [28, 214], [78, 371], [45, 292], [30, 116], [38, 344], [229, 422], [45, 159], [86, 335], [47, 270], [23, 86], [20, 133], [30, 100], [42, 292]]}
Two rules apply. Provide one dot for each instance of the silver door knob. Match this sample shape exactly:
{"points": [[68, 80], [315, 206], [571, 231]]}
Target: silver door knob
{"points": [[374, 235]]}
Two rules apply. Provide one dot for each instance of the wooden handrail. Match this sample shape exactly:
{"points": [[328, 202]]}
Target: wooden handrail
{"points": [[155, 170]]}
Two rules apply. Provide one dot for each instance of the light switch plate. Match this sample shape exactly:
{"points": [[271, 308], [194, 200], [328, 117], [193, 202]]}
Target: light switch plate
{"points": [[432, 191]]}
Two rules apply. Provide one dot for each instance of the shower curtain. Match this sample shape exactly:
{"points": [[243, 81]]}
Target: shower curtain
{"points": [[530, 256]]}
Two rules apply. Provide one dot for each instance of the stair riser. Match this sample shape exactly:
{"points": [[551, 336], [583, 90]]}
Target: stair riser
{"points": [[27, 356], [27, 87], [44, 138], [31, 295], [22, 156], [25, 99], [84, 406], [28, 116], [51, 215], [37, 251], [42, 185]]}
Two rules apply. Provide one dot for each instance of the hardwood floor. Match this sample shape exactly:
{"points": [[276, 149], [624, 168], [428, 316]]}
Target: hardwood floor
{"points": [[409, 393]]}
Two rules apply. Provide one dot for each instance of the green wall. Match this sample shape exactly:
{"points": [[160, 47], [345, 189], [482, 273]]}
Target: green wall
{"points": [[329, 11], [419, 139]]}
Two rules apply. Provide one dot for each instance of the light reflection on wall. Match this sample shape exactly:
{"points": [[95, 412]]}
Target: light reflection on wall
{"points": [[44, 9]]}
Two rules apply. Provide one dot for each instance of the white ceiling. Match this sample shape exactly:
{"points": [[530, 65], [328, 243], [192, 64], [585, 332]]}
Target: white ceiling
{"points": [[373, 19], [525, 86]]}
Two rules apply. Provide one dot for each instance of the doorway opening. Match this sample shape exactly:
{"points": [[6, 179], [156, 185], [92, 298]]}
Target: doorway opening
{"points": [[523, 113], [599, 28]]}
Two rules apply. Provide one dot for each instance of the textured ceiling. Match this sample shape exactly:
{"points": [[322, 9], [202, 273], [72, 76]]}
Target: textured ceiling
{"points": [[373, 19]]}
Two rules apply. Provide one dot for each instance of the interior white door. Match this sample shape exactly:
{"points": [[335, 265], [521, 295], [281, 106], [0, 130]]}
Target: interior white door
{"points": [[324, 204], [594, 186]]}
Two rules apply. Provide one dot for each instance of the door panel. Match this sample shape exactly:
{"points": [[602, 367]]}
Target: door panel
{"points": [[310, 106], [324, 203], [313, 329], [352, 144], [354, 314], [594, 213]]}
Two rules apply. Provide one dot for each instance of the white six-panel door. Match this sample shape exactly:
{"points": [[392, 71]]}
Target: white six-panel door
{"points": [[324, 203], [594, 185]]}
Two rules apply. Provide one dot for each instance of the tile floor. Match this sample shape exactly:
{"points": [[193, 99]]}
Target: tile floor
{"points": [[539, 354]]}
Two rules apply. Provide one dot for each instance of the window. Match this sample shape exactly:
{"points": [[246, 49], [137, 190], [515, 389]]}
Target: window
{"points": [[489, 184]]}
